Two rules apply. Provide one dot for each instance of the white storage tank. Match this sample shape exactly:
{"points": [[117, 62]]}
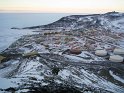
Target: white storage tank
{"points": [[118, 51], [116, 58], [101, 52]]}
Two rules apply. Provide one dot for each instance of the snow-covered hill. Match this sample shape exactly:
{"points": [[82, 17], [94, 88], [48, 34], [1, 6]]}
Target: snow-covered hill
{"points": [[35, 73], [113, 21], [47, 63]]}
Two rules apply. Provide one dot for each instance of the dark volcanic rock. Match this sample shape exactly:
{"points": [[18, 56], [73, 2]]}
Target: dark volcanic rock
{"points": [[54, 88]]}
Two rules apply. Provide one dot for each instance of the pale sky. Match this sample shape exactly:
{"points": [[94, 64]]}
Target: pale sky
{"points": [[62, 6]]}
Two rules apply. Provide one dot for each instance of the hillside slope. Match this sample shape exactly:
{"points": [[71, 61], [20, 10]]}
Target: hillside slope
{"points": [[61, 58], [110, 21]]}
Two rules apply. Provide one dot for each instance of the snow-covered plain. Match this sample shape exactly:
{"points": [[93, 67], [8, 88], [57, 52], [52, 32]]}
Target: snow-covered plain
{"points": [[9, 36]]}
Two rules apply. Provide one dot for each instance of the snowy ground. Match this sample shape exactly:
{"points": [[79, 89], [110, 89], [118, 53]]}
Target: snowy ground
{"points": [[55, 62], [11, 35]]}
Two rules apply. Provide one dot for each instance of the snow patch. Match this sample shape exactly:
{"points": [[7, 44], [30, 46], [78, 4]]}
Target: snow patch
{"points": [[64, 73], [6, 83], [116, 77], [73, 58]]}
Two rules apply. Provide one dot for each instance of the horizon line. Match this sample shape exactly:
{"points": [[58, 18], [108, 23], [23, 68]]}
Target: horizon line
{"points": [[59, 12]]}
